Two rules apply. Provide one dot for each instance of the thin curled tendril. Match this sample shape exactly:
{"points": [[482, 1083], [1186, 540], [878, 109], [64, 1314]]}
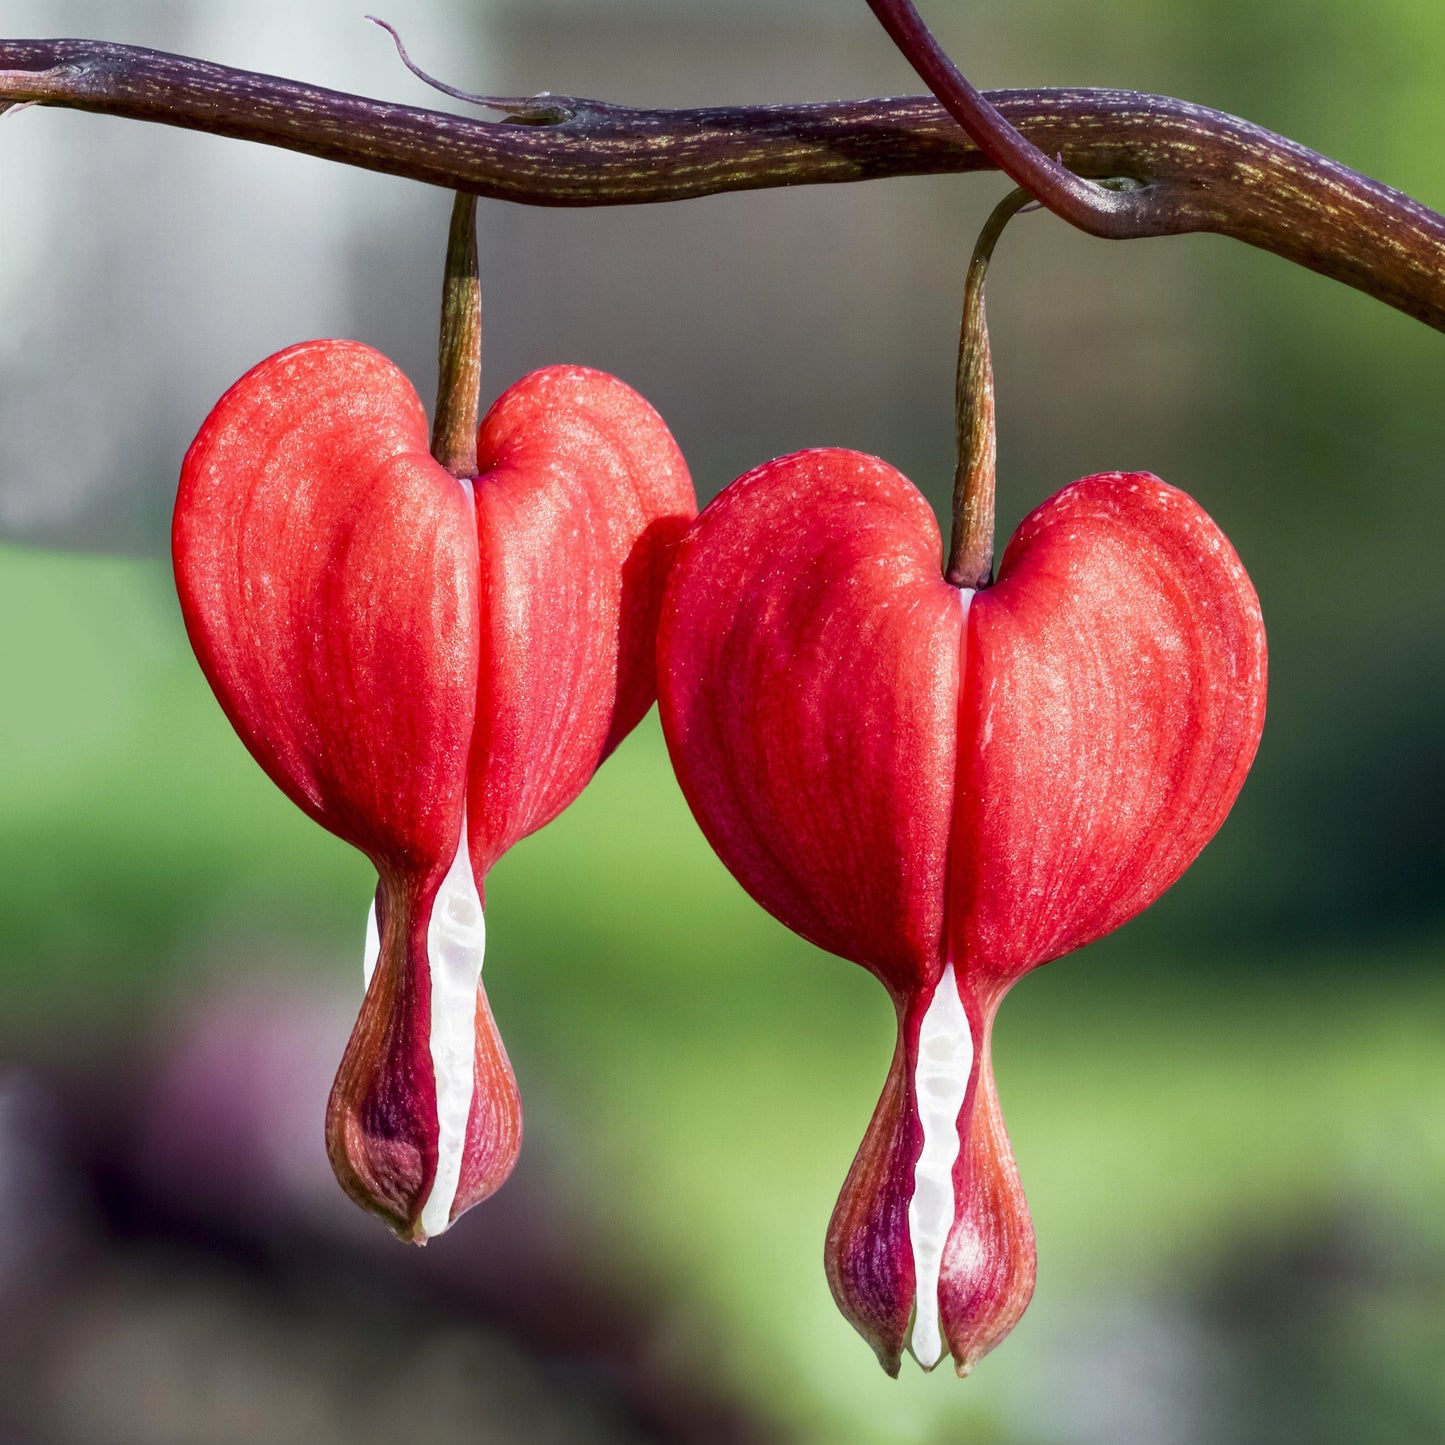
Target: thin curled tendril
{"points": [[541, 109]]}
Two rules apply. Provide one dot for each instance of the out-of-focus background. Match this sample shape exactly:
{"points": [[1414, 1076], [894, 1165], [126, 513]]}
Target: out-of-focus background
{"points": [[1230, 1116]]}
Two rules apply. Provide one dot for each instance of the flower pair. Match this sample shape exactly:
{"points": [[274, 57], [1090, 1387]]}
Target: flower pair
{"points": [[947, 785]]}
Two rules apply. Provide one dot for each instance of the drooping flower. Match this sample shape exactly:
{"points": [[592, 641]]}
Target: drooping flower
{"points": [[951, 786], [432, 668]]}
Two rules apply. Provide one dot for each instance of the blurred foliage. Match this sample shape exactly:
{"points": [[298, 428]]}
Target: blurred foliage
{"points": [[1185, 1123]]}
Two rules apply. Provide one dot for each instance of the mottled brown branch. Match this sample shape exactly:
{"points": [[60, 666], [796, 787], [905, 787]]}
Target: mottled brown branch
{"points": [[1214, 171], [1123, 212]]}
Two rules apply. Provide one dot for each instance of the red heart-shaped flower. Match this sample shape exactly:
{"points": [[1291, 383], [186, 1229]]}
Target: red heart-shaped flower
{"points": [[432, 669], [950, 787]]}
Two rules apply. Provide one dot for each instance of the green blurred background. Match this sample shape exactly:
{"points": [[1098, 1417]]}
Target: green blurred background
{"points": [[1229, 1116]]}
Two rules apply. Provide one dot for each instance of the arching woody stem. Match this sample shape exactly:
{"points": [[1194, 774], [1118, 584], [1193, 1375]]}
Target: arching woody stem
{"points": [[1116, 213], [1208, 171]]}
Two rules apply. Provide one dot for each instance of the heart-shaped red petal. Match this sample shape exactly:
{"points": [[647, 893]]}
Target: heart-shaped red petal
{"points": [[327, 574], [432, 668], [582, 499], [808, 682], [950, 788], [1114, 703]]}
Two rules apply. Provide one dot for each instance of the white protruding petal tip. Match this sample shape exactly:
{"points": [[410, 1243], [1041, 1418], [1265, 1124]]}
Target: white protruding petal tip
{"points": [[945, 1060], [456, 943], [372, 948]]}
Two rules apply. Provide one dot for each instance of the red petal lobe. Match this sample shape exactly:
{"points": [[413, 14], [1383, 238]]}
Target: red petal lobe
{"points": [[1114, 702], [327, 574], [808, 682], [581, 501]]}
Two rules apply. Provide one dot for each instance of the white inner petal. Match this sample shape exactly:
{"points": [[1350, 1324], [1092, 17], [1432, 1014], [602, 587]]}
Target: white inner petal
{"points": [[945, 1059], [455, 943], [372, 950]]}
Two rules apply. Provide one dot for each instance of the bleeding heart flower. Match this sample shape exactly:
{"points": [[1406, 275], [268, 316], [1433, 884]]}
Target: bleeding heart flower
{"points": [[432, 668], [951, 786]]}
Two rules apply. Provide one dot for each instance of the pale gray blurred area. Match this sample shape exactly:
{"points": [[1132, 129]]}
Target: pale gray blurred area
{"points": [[144, 269]]}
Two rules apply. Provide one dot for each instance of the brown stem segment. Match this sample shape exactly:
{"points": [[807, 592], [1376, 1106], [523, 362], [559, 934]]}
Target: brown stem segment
{"points": [[1204, 170], [459, 353], [970, 551], [1114, 213]]}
